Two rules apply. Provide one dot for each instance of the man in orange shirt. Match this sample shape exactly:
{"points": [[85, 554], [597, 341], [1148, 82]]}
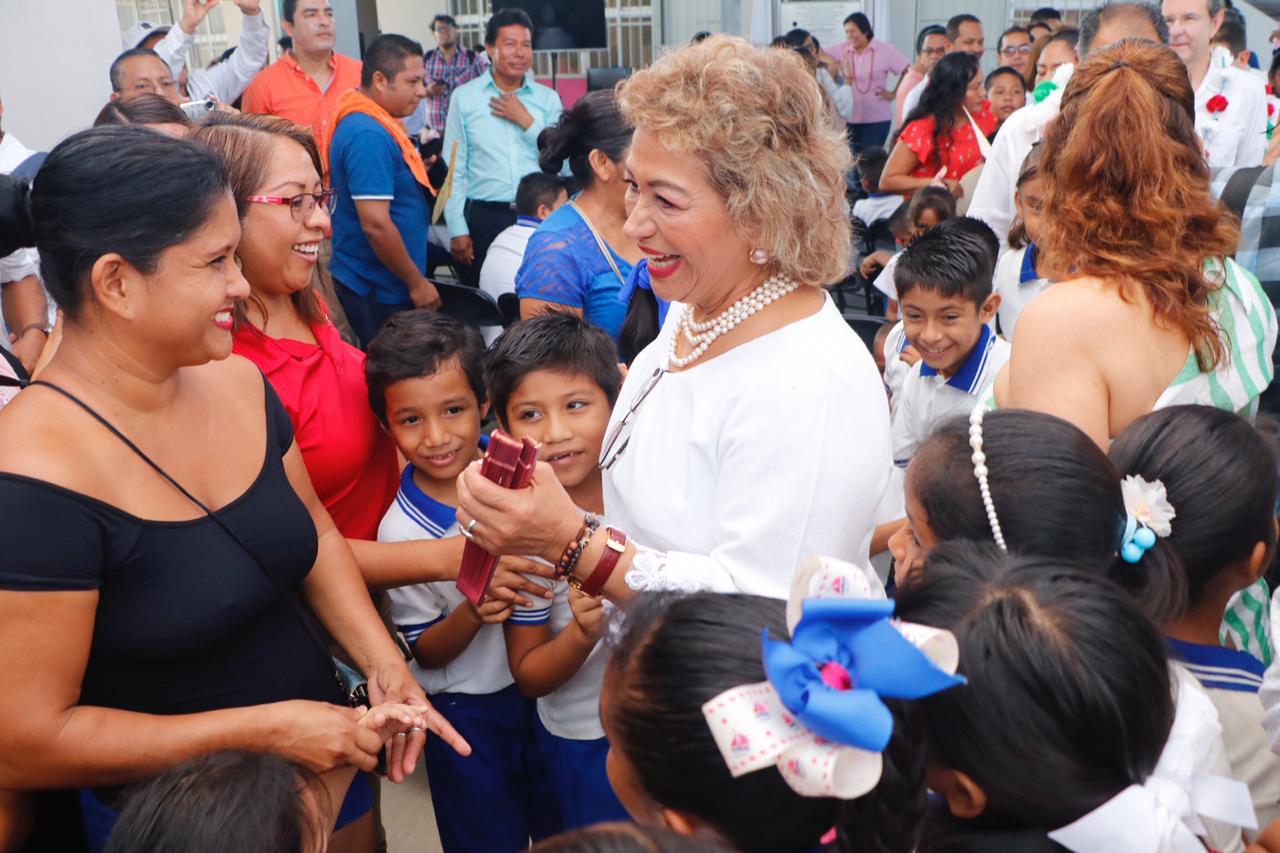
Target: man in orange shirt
{"points": [[305, 84]]}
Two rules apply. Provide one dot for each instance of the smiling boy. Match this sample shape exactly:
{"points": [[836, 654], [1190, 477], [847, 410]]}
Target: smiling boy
{"points": [[944, 289]]}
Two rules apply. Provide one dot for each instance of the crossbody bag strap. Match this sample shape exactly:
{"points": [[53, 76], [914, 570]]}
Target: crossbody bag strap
{"points": [[984, 144], [292, 600], [604, 247]]}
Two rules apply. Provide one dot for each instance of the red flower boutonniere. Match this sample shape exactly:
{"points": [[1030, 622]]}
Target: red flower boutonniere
{"points": [[1216, 104]]}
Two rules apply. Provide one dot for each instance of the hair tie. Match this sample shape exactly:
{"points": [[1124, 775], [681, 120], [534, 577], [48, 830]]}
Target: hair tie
{"points": [[1148, 514], [819, 717], [1119, 63], [980, 472]]}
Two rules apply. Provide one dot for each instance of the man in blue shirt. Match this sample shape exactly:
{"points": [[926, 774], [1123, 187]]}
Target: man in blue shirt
{"points": [[495, 119], [380, 223]]}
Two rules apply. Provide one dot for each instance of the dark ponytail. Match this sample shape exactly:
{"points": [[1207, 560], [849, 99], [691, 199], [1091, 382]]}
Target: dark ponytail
{"points": [[123, 189], [17, 231], [1220, 475], [1056, 494], [1059, 656], [594, 122], [680, 651], [640, 326]]}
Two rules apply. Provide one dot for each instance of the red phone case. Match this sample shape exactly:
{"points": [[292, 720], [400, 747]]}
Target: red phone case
{"points": [[509, 463]]}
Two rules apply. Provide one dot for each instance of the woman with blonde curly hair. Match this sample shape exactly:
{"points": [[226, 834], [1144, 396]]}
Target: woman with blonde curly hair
{"points": [[1149, 309], [753, 432]]}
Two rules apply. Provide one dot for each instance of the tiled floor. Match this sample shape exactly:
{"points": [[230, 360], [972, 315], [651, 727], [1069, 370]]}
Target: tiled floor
{"points": [[407, 815]]}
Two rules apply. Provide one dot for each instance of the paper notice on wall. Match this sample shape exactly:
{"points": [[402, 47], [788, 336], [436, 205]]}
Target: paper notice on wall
{"points": [[824, 19]]}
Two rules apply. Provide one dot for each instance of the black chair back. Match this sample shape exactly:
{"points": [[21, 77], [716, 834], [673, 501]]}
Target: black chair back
{"points": [[468, 304]]}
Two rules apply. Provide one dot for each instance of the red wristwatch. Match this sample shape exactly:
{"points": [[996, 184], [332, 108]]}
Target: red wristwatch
{"points": [[614, 547]]}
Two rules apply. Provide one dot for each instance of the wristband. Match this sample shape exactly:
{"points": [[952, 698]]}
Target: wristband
{"points": [[573, 551], [614, 547]]}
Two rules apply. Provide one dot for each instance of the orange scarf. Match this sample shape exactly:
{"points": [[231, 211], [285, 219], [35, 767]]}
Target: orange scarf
{"points": [[355, 101]]}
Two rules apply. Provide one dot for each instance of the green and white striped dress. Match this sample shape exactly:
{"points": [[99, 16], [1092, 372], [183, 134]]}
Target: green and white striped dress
{"points": [[1248, 323]]}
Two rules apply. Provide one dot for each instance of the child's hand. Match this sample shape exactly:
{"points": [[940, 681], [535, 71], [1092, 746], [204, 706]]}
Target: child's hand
{"points": [[391, 719], [909, 355], [492, 611], [588, 612]]}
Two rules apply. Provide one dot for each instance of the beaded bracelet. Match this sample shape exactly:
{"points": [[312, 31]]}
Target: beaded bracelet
{"points": [[573, 551]]}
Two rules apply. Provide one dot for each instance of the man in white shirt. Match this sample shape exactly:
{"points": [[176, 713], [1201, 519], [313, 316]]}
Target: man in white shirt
{"points": [[24, 305], [1231, 104], [227, 80], [993, 196]]}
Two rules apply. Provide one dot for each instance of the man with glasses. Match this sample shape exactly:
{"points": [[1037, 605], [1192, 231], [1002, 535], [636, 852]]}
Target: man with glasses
{"points": [[1014, 49], [448, 66], [963, 32], [139, 71], [380, 224], [931, 45]]}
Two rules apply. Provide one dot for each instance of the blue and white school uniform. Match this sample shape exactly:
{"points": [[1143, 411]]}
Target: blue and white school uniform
{"points": [[495, 798], [928, 398], [1232, 678], [568, 723], [1017, 283]]}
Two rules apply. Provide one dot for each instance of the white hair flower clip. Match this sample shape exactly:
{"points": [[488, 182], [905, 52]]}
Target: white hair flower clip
{"points": [[1149, 514]]}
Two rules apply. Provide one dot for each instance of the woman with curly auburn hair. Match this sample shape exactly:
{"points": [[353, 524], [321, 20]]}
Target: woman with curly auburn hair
{"points": [[1149, 310], [752, 432]]}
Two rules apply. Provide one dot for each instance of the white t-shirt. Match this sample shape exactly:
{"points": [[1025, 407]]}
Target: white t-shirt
{"points": [[912, 100], [571, 711], [927, 398], [740, 466], [482, 667], [884, 281], [498, 274], [876, 207], [1231, 679], [1017, 283]]}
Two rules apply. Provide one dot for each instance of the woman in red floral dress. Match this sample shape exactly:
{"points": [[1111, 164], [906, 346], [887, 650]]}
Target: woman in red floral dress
{"points": [[938, 134]]}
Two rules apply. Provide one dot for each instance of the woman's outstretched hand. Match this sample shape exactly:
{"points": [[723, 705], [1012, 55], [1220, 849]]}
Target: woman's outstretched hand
{"points": [[537, 521]]}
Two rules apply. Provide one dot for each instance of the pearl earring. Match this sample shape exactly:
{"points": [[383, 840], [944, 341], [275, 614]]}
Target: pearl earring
{"points": [[759, 256]]}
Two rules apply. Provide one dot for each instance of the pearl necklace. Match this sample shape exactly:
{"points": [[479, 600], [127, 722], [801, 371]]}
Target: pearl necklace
{"points": [[703, 335]]}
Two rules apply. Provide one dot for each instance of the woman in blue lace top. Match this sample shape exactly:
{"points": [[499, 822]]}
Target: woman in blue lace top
{"points": [[578, 259]]}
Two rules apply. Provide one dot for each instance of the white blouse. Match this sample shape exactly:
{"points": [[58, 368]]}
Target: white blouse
{"points": [[739, 467]]}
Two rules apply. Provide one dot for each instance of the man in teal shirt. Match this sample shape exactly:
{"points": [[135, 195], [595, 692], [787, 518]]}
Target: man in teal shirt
{"points": [[495, 119]]}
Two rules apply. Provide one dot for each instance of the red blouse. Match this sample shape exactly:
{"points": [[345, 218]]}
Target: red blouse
{"points": [[957, 150], [351, 459]]}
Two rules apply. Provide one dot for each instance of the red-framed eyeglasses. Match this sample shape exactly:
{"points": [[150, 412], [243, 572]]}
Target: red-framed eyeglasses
{"points": [[302, 204]]}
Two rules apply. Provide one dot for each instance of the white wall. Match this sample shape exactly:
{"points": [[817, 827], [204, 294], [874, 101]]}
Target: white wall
{"points": [[410, 18], [54, 57]]}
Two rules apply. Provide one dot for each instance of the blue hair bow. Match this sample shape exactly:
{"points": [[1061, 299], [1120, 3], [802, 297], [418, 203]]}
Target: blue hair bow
{"points": [[819, 718], [843, 657]]}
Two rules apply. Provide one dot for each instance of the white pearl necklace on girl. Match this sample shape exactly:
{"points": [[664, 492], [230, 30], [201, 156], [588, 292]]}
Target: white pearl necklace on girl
{"points": [[703, 335]]}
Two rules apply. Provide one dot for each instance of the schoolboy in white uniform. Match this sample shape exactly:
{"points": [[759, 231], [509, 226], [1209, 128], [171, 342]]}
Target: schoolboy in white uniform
{"points": [[944, 287]]}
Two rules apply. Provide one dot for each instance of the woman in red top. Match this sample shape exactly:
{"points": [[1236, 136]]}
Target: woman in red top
{"points": [[938, 133], [284, 327]]}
